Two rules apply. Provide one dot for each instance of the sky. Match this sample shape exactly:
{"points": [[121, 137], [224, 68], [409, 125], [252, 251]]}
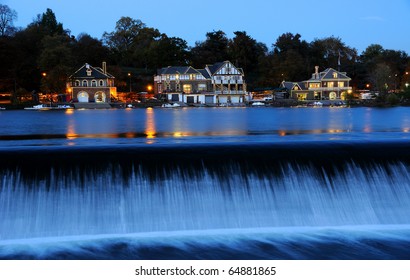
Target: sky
{"points": [[358, 23]]}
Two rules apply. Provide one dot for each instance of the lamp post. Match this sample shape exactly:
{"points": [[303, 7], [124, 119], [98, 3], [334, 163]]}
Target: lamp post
{"points": [[129, 75]]}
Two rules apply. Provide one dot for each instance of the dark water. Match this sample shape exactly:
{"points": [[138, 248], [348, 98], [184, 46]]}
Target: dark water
{"points": [[240, 183]]}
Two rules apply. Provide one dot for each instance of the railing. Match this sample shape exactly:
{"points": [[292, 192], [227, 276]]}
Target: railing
{"points": [[230, 92], [330, 88]]}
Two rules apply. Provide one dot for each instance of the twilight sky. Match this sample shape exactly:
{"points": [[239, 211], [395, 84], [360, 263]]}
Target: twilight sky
{"points": [[358, 23]]}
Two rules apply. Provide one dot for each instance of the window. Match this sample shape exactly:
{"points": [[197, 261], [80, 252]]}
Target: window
{"points": [[201, 87], [187, 88], [334, 75], [101, 83], [77, 83], [330, 84], [341, 84], [94, 83], [85, 83]]}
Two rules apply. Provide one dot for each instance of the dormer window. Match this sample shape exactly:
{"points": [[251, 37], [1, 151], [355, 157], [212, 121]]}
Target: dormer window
{"points": [[334, 75], [88, 72]]}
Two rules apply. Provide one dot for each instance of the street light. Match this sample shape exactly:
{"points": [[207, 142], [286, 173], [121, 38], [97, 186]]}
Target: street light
{"points": [[129, 75]]}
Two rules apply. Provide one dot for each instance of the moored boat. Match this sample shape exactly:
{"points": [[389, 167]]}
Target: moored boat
{"points": [[44, 107]]}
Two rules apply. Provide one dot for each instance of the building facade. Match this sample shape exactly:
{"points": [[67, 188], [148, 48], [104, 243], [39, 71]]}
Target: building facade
{"points": [[327, 85], [91, 84], [220, 83]]}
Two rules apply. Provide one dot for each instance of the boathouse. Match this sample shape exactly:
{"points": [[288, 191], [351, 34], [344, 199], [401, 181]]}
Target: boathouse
{"points": [[91, 84]]}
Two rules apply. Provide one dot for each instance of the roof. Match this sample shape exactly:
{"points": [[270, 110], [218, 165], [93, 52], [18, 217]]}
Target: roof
{"points": [[204, 73], [328, 75], [173, 70], [209, 70], [291, 85], [214, 67], [96, 73]]}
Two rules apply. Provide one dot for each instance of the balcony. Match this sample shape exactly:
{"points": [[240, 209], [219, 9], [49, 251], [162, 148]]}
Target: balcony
{"points": [[329, 88], [230, 92]]}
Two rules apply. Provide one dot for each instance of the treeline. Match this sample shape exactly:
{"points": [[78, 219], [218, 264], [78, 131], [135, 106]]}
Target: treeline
{"points": [[42, 55]]}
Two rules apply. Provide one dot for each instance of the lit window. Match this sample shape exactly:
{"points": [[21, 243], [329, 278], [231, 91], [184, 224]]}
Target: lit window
{"points": [[187, 88], [201, 87], [335, 75]]}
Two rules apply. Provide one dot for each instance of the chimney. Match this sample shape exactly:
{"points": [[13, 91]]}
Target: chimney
{"points": [[104, 67], [317, 72]]}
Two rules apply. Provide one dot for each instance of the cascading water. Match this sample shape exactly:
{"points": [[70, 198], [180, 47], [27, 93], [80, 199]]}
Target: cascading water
{"points": [[100, 204], [202, 195]]}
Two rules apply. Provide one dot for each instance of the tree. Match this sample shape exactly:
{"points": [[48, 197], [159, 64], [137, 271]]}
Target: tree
{"points": [[213, 49], [7, 17], [289, 58], [49, 24], [332, 52], [120, 42], [169, 51], [375, 55], [90, 50], [56, 62], [381, 78], [245, 51]]}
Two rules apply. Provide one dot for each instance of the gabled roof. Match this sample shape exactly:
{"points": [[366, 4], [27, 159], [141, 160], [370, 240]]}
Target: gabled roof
{"points": [[212, 69], [302, 85], [291, 85], [96, 73], [328, 75], [204, 73], [174, 70]]}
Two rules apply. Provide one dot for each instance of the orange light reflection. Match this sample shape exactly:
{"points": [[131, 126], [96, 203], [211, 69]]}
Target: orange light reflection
{"points": [[150, 125]]}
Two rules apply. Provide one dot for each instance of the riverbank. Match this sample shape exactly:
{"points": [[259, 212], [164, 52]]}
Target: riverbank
{"points": [[281, 103]]}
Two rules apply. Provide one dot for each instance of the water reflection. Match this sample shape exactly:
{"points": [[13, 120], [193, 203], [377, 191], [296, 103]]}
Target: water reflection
{"points": [[149, 126], [150, 131]]}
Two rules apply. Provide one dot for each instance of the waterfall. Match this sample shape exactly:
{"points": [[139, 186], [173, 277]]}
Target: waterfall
{"points": [[192, 192]]}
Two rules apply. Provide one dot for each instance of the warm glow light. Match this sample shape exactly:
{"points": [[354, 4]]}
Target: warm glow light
{"points": [[150, 125], [367, 85], [44, 74], [69, 111], [71, 132], [149, 88]]}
